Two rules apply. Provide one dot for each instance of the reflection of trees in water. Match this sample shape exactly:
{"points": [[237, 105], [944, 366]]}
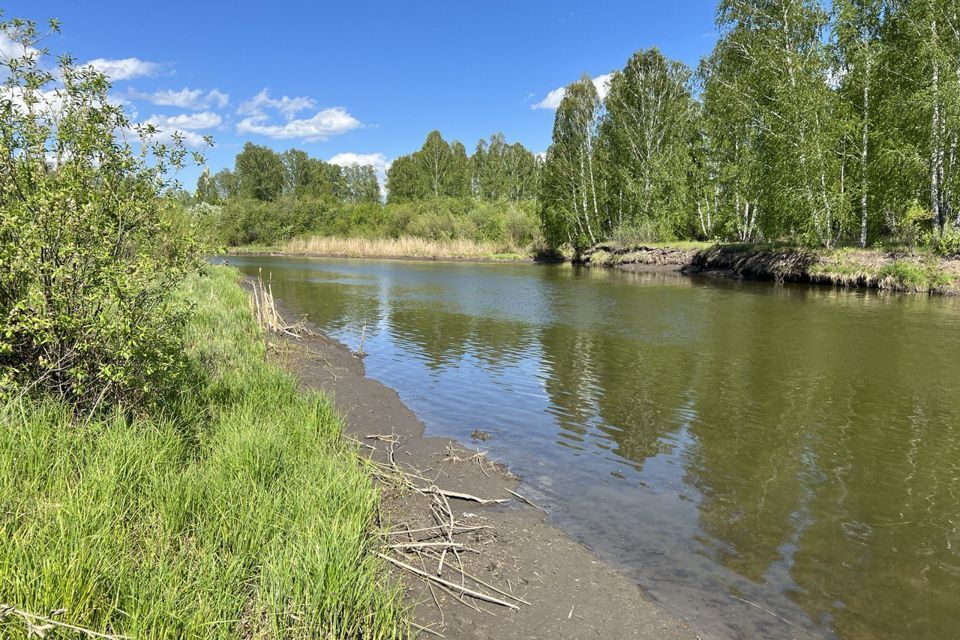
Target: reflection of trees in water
{"points": [[640, 389], [444, 338], [817, 448], [886, 521]]}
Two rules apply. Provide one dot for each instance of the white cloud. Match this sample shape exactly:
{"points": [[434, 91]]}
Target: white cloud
{"points": [[553, 99], [48, 102], [125, 68], [289, 107], [376, 160], [322, 125], [191, 121], [10, 49], [186, 98]]}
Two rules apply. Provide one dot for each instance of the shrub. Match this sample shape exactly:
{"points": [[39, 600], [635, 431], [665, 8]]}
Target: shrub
{"points": [[947, 244], [89, 258]]}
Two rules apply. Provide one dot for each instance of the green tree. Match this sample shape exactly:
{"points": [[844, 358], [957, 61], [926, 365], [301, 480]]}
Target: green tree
{"points": [[207, 188], [298, 171], [260, 172], [858, 30], [361, 184], [648, 124], [226, 183], [569, 206], [404, 181]]}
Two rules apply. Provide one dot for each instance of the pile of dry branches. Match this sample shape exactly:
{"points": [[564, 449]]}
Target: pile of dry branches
{"points": [[434, 553], [265, 310]]}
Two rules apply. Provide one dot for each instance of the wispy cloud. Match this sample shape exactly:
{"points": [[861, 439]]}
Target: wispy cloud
{"points": [[320, 126], [288, 107], [185, 98], [125, 68], [555, 97]]}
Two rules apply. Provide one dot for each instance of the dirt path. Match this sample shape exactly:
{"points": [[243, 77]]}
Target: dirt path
{"points": [[570, 593]]}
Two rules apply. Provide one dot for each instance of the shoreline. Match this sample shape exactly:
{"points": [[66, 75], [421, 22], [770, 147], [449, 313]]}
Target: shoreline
{"points": [[852, 269], [572, 593]]}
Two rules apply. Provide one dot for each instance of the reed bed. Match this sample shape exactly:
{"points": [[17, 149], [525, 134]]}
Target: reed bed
{"points": [[405, 247]]}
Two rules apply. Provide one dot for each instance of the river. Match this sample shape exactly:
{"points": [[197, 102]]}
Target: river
{"points": [[767, 461]]}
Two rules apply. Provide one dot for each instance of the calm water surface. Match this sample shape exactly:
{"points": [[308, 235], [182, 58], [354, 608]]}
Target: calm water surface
{"points": [[766, 461]]}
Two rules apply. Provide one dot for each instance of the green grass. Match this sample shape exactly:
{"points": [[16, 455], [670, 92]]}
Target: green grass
{"points": [[242, 513]]}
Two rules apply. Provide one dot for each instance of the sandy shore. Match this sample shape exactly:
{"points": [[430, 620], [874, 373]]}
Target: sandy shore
{"points": [[571, 594]]}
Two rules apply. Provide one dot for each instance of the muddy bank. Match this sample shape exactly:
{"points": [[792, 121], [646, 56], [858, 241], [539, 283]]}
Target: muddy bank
{"points": [[636, 257], [513, 549]]}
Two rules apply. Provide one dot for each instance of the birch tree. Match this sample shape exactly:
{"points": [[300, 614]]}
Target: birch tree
{"points": [[569, 201], [649, 123]]}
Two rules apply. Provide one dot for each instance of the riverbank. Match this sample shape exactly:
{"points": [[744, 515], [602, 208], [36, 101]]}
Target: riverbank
{"points": [[236, 511], [560, 588], [912, 272]]}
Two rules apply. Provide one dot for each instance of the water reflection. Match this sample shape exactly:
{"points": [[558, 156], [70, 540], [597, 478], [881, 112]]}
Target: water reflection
{"points": [[795, 448]]}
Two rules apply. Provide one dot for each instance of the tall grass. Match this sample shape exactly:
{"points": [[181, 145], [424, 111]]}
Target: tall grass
{"points": [[240, 513], [405, 247]]}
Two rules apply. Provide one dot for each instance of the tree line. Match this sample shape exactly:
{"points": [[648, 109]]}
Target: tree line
{"points": [[437, 192], [812, 123], [262, 174]]}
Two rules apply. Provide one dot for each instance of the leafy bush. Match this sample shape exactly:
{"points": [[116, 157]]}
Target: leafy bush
{"points": [[89, 255], [947, 243]]}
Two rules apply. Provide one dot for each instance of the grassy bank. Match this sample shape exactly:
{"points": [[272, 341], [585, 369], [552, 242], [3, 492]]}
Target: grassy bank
{"points": [[405, 247], [238, 513], [907, 271]]}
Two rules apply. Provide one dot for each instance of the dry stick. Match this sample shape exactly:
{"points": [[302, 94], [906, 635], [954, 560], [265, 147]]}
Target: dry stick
{"points": [[470, 592], [427, 629], [493, 588], [27, 617], [418, 545], [463, 496], [527, 501], [781, 619], [363, 335]]}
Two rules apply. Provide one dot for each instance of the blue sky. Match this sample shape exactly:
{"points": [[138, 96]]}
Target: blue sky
{"points": [[364, 78]]}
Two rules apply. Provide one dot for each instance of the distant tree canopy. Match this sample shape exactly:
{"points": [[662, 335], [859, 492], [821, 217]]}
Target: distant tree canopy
{"points": [[496, 171], [263, 175]]}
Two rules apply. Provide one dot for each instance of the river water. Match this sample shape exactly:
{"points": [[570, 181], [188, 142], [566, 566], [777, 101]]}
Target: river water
{"points": [[767, 461]]}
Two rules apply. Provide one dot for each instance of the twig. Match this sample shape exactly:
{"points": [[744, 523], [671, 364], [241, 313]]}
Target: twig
{"points": [[463, 496], [48, 623], [470, 592], [427, 629], [781, 619], [527, 501]]}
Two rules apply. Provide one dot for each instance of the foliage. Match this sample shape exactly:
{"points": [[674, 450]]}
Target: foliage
{"points": [[810, 122], [948, 242], [89, 253]]}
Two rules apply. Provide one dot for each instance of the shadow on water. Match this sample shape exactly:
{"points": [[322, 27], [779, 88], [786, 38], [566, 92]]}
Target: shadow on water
{"points": [[767, 461]]}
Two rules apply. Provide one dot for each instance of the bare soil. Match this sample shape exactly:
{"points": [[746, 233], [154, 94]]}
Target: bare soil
{"points": [[571, 594]]}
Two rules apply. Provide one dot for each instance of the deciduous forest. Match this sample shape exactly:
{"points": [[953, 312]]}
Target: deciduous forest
{"points": [[809, 124]]}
